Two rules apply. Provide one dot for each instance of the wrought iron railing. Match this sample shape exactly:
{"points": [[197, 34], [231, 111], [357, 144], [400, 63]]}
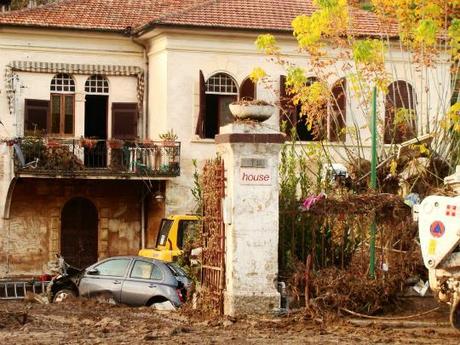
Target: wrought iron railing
{"points": [[44, 156]]}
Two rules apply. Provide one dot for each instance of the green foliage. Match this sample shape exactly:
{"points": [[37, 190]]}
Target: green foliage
{"points": [[454, 35], [404, 116], [197, 189], [308, 30], [426, 32], [168, 135], [326, 3], [369, 52], [295, 79], [331, 18], [257, 74], [267, 43]]}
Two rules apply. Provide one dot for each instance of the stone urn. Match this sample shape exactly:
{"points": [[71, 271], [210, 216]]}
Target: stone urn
{"points": [[258, 111]]}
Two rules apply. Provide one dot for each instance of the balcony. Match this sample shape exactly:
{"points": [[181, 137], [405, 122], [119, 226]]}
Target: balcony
{"points": [[90, 158]]}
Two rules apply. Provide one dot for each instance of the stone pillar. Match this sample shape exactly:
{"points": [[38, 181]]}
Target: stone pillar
{"points": [[454, 180], [250, 153]]}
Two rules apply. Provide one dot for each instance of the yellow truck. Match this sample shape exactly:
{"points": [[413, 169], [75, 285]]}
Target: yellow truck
{"points": [[174, 230]]}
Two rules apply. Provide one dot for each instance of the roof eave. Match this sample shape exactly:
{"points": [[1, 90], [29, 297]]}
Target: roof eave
{"points": [[58, 27]]}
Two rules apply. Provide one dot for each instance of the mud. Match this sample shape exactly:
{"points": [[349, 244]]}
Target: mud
{"points": [[90, 322]]}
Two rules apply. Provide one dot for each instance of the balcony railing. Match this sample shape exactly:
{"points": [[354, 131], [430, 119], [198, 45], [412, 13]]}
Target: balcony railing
{"points": [[72, 157]]}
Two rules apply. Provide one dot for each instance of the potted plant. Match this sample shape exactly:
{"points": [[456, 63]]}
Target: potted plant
{"points": [[255, 110], [115, 144], [169, 137], [53, 143], [88, 143]]}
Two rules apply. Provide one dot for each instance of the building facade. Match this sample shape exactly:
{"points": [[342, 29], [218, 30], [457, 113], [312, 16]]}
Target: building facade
{"points": [[86, 94]]}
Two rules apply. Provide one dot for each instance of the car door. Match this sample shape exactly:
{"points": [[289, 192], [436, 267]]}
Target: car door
{"points": [[145, 280], [105, 278]]}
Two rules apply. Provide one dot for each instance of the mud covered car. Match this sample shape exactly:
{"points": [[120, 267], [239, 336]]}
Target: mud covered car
{"points": [[131, 280]]}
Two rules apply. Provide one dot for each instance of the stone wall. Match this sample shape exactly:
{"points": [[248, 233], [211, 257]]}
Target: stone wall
{"points": [[30, 238]]}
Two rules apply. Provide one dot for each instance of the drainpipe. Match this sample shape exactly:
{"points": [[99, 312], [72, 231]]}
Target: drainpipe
{"points": [[143, 222], [145, 114]]}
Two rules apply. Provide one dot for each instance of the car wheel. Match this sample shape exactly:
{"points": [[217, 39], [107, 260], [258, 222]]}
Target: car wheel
{"points": [[63, 294]]}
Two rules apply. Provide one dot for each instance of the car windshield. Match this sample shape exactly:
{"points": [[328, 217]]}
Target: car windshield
{"points": [[164, 232]]}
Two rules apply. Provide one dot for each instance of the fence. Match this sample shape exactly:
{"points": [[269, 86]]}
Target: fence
{"points": [[40, 156]]}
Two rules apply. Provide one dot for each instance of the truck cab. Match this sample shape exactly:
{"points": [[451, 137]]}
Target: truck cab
{"points": [[173, 232]]}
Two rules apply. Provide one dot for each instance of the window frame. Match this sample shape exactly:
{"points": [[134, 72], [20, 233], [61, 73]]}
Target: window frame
{"points": [[391, 134], [219, 96], [31, 105], [95, 78], [62, 115], [130, 275], [129, 263]]}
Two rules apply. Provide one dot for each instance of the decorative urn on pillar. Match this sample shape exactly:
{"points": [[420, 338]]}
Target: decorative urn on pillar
{"points": [[255, 110]]}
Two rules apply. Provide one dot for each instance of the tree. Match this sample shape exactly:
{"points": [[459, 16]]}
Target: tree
{"points": [[425, 34]]}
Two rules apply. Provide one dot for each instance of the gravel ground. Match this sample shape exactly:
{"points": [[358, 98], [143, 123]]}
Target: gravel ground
{"points": [[90, 322]]}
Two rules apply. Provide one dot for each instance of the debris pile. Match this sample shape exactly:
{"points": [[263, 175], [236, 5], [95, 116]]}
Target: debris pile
{"points": [[336, 274]]}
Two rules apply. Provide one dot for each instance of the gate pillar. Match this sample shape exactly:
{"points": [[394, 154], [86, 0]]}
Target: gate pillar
{"points": [[250, 153]]}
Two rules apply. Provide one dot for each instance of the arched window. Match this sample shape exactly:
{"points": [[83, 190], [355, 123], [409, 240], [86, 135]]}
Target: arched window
{"points": [[220, 90], [62, 109], [291, 114], [400, 114], [62, 82], [97, 84], [338, 111], [248, 90]]}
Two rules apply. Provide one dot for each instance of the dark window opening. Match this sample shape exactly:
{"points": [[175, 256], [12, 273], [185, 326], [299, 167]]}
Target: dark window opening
{"points": [[216, 94], [36, 117], [96, 128], [248, 90], [217, 113], [338, 111], [164, 232], [291, 115], [124, 120], [400, 114], [185, 232]]}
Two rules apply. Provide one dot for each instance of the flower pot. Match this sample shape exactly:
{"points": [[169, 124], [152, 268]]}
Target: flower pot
{"points": [[115, 143], [253, 112], [88, 143]]}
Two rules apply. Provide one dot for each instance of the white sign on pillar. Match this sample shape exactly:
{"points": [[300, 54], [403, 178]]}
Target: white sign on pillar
{"points": [[254, 171], [255, 176]]}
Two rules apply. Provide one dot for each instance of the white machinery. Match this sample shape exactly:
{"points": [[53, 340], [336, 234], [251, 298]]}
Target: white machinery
{"points": [[439, 231]]}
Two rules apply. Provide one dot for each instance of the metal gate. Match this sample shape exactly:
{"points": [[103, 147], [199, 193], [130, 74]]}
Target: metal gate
{"points": [[213, 236]]}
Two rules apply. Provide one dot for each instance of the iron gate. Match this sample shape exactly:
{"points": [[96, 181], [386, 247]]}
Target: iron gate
{"points": [[213, 235]]}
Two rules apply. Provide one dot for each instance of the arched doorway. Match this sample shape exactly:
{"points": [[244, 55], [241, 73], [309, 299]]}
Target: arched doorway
{"points": [[79, 223]]}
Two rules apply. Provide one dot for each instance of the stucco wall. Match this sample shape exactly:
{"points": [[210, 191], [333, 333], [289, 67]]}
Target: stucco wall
{"points": [[32, 235], [185, 54], [73, 47]]}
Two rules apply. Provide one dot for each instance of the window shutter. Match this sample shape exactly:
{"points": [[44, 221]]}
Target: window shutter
{"points": [[338, 112], [36, 115], [124, 120], [202, 109], [288, 111]]}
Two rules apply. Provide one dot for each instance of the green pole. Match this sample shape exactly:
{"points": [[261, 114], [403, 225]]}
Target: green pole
{"points": [[373, 179]]}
